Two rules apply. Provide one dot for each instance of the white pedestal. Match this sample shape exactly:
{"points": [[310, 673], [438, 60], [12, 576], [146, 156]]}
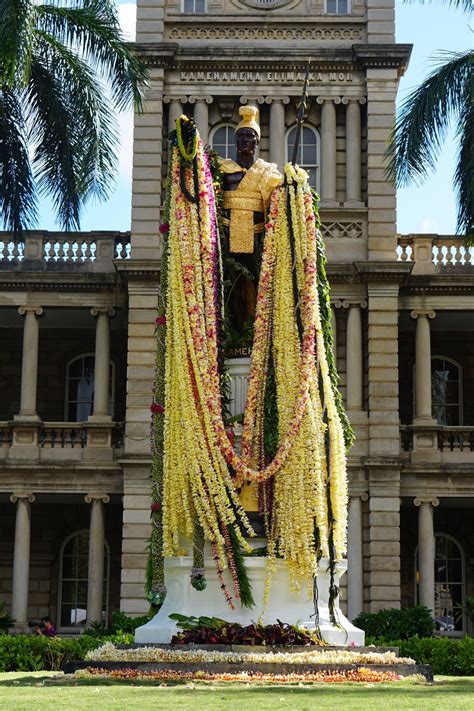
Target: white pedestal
{"points": [[284, 605]]}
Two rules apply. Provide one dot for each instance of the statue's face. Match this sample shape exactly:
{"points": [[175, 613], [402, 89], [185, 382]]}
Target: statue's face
{"points": [[246, 141]]}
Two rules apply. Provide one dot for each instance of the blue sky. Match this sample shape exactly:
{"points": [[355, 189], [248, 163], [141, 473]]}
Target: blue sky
{"points": [[429, 208]]}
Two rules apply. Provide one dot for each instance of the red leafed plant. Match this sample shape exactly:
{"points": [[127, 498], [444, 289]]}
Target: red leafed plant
{"points": [[205, 630]]}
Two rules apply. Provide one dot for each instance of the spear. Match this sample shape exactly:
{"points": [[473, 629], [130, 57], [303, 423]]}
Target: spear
{"points": [[300, 114]]}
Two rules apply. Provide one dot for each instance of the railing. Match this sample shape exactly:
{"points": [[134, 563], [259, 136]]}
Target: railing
{"points": [[6, 434], [47, 251], [438, 442], [456, 439], [61, 441], [62, 436], [434, 253]]}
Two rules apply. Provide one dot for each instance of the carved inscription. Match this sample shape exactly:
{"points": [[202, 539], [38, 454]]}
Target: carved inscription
{"points": [[276, 77]]}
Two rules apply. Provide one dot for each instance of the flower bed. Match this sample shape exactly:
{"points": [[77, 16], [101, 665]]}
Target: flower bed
{"points": [[110, 653], [354, 675]]}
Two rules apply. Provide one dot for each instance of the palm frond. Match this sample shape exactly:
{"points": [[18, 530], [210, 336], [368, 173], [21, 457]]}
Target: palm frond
{"points": [[424, 117], [96, 154], [53, 136], [17, 18], [73, 131], [94, 31], [18, 205], [464, 175]]}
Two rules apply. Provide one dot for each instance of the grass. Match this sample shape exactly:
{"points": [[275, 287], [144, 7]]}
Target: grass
{"points": [[49, 690]]}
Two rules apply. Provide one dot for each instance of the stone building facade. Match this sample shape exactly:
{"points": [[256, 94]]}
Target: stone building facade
{"points": [[77, 324]]}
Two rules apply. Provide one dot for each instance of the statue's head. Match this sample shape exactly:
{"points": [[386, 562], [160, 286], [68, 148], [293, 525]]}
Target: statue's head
{"points": [[247, 133]]}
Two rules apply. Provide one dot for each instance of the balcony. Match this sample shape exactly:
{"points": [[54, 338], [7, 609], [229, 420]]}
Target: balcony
{"points": [[61, 441], [444, 444], [64, 251], [434, 254]]}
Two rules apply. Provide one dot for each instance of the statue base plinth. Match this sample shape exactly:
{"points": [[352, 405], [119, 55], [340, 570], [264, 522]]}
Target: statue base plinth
{"points": [[284, 605]]}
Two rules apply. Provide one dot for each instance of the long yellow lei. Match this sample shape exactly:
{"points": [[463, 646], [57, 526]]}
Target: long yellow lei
{"points": [[198, 453]]}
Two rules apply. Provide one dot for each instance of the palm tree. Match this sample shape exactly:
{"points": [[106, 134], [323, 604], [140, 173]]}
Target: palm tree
{"points": [[65, 69], [446, 95]]}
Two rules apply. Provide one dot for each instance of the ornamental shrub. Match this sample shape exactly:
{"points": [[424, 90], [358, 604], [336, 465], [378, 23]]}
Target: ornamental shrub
{"points": [[37, 653], [447, 655], [397, 624], [121, 623]]}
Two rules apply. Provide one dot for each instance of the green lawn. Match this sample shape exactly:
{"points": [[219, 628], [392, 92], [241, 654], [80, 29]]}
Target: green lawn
{"points": [[27, 690]]}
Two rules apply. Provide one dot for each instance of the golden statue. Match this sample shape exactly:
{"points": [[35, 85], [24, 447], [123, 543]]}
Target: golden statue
{"points": [[248, 185]]}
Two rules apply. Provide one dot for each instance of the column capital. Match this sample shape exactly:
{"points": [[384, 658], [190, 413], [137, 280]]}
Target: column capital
{"points": [[429, 313], [328, 100], [277, 99], [22, 496], [354, 100], [102, 310], [186, 99], [104, 498], [433, 500], [347, 303], [362, 495], [26, 308], [207, 99]]}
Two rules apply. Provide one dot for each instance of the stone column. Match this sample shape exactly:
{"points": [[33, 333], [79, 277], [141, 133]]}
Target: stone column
{"points": [[353, 153], [102, 365], [328, 151], [426, 550], [201, 117], [176, 109], [21, 558], [277, 133], [29, 365], [95, 584], [354, 358], [355, 557], [423, 366]]}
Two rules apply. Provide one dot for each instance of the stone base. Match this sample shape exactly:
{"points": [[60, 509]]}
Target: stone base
{"points": [[284, 605]]}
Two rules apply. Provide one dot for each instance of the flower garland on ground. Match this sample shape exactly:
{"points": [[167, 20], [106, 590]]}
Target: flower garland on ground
{"points": [[108, 652], [309, 497], [362, 674]]}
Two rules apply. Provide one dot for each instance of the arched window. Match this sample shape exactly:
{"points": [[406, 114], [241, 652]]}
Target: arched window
{"points": [[449, 583], [446, 391], [79, 400], [222, 140], [308, 152], [73, 578]]}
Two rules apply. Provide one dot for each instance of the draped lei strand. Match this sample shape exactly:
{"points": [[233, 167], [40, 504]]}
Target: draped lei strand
{"points": [[198, 453]]}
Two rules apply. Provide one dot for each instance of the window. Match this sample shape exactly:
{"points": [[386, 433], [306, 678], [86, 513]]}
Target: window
{"points": [[73, 577], [446, 391], [449, 583], [79, 401], [222, 140], [337, 7], [195, 7], [308, 152]]}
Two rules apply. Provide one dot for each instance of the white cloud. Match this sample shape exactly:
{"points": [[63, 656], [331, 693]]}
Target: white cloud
{"points": [[429, 226], [128, 17]]}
